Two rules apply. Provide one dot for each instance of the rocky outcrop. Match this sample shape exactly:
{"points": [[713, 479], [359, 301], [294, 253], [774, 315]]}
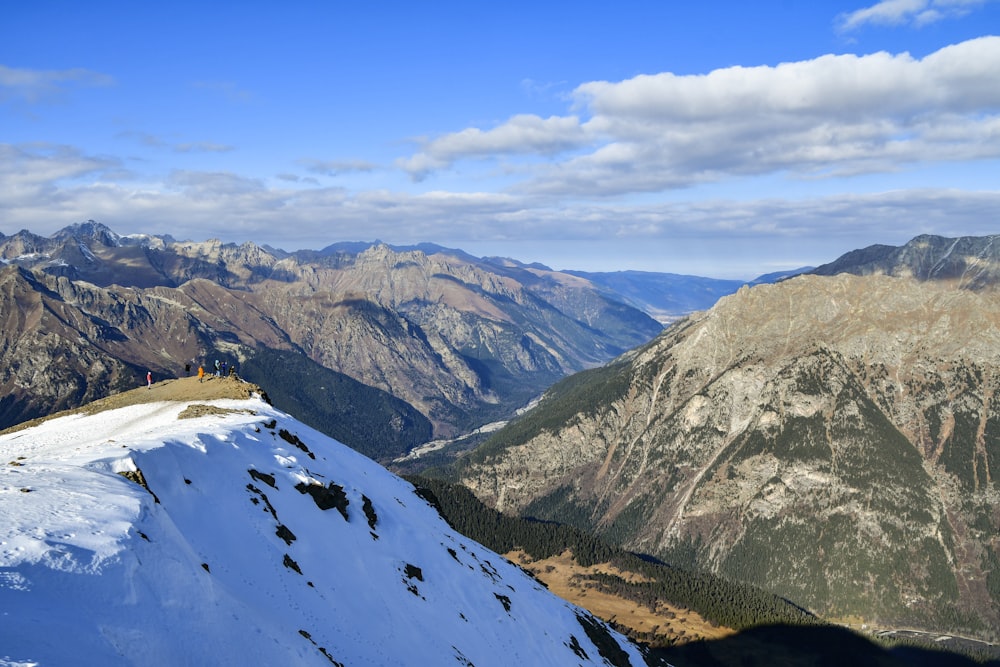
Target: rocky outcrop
{"points": [[833, 439]]}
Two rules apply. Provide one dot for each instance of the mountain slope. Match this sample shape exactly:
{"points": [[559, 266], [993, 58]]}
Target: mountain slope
{"points": [[832, 439], [221, 531]]}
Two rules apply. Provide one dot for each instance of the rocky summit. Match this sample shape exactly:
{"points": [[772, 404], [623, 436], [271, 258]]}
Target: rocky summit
{"points": [[834, 439]]}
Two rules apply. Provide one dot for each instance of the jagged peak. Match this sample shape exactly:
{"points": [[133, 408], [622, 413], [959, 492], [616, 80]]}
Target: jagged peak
{"points": [[973, 262], [90, 231], [215, 248], [382, 252], [155, 242]]}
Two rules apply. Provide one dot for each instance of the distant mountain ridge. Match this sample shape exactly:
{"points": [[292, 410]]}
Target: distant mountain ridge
{"points": [[970, 262], [670, 296], [834, 439], [459, 341]]}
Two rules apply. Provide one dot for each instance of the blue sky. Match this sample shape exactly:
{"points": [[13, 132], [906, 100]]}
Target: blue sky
{"points": [[723, 139]]}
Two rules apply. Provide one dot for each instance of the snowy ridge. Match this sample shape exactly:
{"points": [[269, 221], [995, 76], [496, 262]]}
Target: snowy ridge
{"points": [[256, 540]]}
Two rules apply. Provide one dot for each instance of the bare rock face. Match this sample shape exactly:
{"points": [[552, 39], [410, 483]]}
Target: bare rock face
{"points": [[833, 439]]}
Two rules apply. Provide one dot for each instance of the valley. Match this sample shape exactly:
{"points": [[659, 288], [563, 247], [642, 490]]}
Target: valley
{"points": [[818, 448], [832, 439]]}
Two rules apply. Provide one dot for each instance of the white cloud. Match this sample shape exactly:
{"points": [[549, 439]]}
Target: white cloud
{"points": [[831, 86], [887, 12], [901, 12], [214, 183], [60, 186], [44, 188], [832, 115], [522, 134], [32, 173], [34, 86]]}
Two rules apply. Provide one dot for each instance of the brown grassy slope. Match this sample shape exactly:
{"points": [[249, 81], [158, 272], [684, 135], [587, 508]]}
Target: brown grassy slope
{"points": [[663, 625], [180, 389]]}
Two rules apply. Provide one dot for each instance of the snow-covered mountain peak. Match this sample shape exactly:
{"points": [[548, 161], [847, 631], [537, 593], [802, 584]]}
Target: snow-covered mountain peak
{"points": [[225, 532], [90, 232]]}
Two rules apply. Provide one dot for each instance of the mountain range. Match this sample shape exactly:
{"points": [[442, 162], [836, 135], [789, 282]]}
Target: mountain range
{"points": [[833, 438], [424, 342], [827, 443]]}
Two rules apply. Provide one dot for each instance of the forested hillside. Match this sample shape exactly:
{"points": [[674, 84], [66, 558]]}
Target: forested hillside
{"points": [[734, 605]]}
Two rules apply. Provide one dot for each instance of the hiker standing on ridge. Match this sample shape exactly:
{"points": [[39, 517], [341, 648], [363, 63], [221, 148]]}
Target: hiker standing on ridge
{"points": [[149, 379], [201, 373]]}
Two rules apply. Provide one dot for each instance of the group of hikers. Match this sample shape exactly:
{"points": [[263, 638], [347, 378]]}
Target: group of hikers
{"points": [[222, 368]]}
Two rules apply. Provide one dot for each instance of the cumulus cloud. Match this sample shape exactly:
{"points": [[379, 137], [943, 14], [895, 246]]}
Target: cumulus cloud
{"points": [[523, 134], [34, 86], [295, 178], [833, 115], [46, 187], [907, 12], [220, 186]]}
